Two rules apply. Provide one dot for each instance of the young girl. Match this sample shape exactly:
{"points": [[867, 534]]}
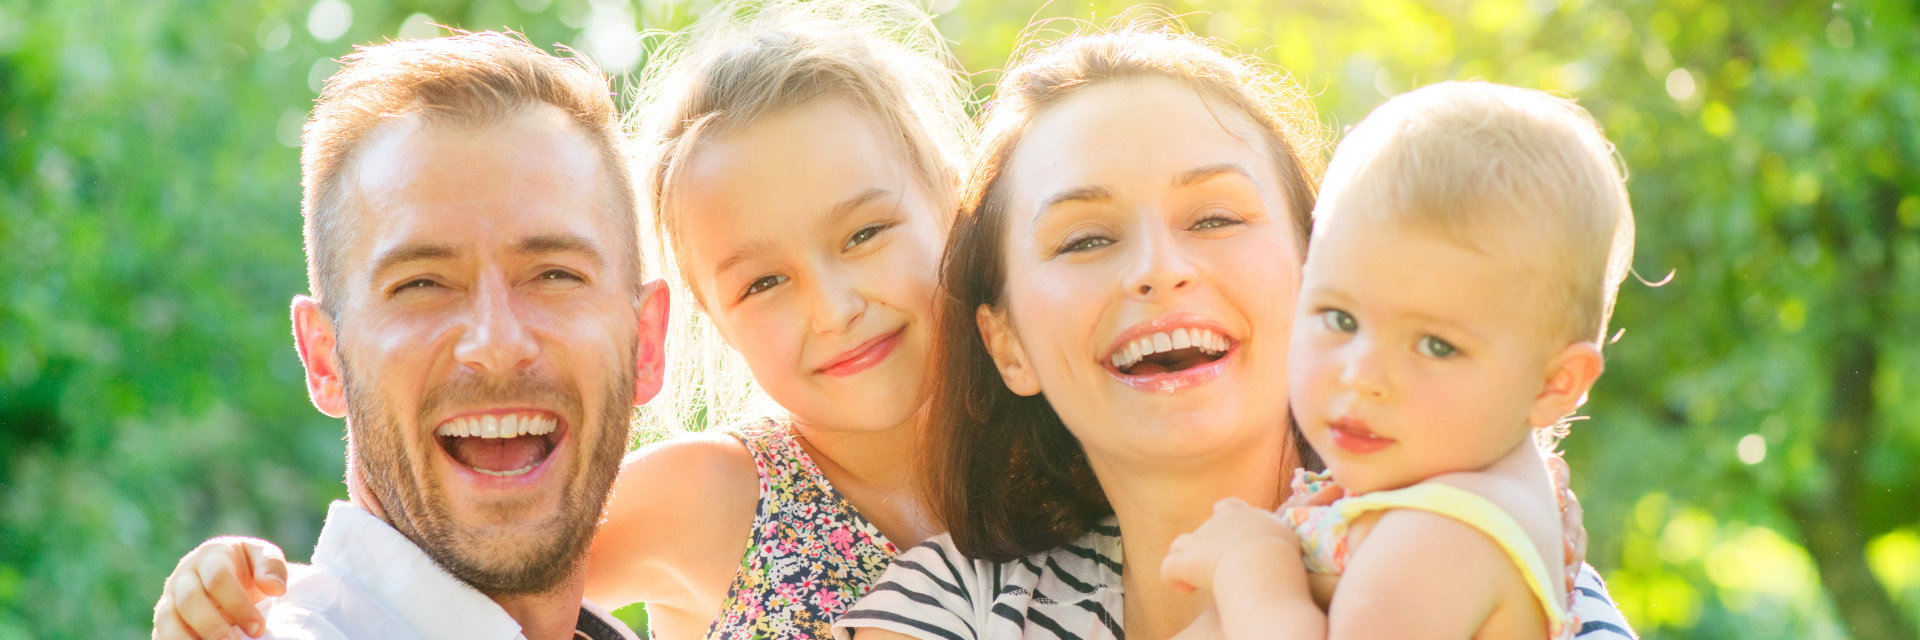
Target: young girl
{"points": [[1467, 247], [799, 165]]}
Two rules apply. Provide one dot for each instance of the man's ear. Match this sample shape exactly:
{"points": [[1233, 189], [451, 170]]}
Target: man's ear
{"points": [[1570, 373], [651, 368], [1008, 357], [314, 338]]}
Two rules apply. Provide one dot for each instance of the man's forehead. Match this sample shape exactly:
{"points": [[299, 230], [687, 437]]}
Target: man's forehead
{"points": [[529, 173]]}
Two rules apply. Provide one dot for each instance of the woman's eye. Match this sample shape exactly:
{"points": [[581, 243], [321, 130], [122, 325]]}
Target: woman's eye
{"points": [[1084, 243], [1340, 321], [1216, 221], [864, 234], [762, 284], [1435, 348]]}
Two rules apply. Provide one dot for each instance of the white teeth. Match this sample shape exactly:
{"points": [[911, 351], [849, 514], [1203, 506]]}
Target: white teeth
{"points": [[489, 426], [512, 426], [541, 426], [1183, 338]]}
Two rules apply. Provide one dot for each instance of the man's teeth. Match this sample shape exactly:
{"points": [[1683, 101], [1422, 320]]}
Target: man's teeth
{"points": [[494, 426], [1207, 341]]}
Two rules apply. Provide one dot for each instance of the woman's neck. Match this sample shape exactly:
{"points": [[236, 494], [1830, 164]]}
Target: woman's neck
{"points": [[878, 471], [1156, 504]]}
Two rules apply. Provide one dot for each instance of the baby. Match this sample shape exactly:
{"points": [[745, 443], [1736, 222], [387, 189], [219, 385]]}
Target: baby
{"points": [[1467, 247]]}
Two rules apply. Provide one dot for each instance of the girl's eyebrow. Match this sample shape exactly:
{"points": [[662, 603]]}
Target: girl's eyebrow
{"points": [[854, 203]]}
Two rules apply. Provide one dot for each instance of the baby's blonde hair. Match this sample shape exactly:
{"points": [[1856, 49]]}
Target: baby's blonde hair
{"points": [[1473, 160], [748, 60]]}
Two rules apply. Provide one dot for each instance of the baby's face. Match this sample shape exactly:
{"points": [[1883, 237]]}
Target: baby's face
{"points": [[1414, 356]]}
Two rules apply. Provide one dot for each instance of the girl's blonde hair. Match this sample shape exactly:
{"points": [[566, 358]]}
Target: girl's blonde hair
{"points": [[747, 60]]}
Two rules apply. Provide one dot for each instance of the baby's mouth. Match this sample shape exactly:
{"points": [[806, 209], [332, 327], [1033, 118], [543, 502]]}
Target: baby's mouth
{"points": [[1169, 352], [500, 445]]}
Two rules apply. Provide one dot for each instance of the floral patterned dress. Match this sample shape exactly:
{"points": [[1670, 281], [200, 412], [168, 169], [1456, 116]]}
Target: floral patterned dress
{"points": [[811, 554]]}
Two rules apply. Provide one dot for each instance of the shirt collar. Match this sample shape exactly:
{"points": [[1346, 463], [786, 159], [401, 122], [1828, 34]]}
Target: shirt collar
{"points": [[391, 568]]}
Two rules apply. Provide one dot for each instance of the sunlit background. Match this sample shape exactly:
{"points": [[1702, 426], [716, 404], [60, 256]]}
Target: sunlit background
{"points": [[1749, 470]]}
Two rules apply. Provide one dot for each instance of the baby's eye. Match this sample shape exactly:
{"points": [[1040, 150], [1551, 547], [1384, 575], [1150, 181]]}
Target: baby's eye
{"points": [[1435, 348], [762, 284], [1340, 321], [864, 234]]}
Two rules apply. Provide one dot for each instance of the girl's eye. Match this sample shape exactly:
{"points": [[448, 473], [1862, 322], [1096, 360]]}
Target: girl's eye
{"points": [[762, 284], [1340, 321], [1084, 243], [1434, 347], [864, 234]]}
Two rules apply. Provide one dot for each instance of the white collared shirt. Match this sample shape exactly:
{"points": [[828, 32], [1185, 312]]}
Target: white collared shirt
{"points": [[368, 581]]}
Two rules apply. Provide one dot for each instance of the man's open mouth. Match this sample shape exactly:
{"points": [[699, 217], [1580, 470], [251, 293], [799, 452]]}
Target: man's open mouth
{"points": [[501, 445], [1169, 351]]}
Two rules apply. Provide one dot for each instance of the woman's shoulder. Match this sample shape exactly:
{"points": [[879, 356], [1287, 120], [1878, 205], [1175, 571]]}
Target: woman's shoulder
{"points": [[935, 591]]}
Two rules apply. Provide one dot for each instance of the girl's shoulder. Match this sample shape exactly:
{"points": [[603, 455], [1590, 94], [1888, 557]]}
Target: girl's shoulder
{"points": [[679, 514]]}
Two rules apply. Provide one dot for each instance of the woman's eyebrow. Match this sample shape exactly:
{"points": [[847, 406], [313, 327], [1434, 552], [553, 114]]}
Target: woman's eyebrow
{"points": [[1076, 194], [1194, 176]]}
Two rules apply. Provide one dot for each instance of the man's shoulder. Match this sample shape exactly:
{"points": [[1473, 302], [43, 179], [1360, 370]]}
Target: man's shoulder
{"points": [[321, 605]]}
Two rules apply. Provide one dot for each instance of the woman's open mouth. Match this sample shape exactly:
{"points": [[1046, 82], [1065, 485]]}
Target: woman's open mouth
{"points": [[1169, 352], [500, 445]]}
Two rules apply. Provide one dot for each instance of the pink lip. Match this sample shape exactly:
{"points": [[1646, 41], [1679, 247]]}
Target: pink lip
{"points": [[1352, 435], [528, 481], [1172, 381], [863, 357]]}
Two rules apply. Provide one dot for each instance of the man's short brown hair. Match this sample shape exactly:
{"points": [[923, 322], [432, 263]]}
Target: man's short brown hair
{"points": [[467, 79]]}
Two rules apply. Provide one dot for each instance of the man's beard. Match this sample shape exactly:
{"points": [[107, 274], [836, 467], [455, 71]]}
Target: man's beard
{"points": [[473, 554]]}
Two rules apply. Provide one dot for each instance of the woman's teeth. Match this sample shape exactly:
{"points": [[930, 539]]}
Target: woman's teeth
{"points": [[495, 426], [1206, 341]]}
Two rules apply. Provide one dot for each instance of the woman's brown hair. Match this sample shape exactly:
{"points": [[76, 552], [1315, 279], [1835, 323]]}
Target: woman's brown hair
{"points": [[1003, 471]]}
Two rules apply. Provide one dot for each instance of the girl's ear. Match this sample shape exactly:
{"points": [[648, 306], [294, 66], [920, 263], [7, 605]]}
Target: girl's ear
{"points": [[1008, 357], [1570, 373]]}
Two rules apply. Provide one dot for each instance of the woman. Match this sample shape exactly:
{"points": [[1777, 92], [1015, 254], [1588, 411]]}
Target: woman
{"points": [[1129, 254]]}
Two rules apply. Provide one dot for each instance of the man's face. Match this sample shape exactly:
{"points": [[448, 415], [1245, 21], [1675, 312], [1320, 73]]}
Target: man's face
{"points": [[485, 350]]}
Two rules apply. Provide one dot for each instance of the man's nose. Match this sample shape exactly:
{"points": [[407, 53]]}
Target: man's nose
{"points": [[496, 340]]}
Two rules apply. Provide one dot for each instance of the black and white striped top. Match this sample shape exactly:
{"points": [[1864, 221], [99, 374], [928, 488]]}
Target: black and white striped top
{"points": [[933, 592]]}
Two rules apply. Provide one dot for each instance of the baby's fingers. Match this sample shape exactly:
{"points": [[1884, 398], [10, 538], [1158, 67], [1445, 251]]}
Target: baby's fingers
{"points": [[195, 608], [1186, 567]]}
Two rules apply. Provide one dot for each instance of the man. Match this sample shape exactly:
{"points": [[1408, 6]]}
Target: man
{"points": [[479, 319]]}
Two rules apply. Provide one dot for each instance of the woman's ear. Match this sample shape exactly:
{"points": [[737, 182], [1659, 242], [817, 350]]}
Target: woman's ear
{"points": [[1008, 357], [1570, 373]]}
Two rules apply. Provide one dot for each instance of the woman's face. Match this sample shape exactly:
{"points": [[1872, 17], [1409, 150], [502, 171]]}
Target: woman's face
{"points": [[814, 248], [1152, 272]]}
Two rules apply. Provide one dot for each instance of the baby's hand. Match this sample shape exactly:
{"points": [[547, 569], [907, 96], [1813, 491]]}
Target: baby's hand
{"points": [[215, 588], [1237, 532]]}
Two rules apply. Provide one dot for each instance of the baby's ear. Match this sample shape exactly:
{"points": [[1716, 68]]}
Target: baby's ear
{"points": [[1570, 373]]}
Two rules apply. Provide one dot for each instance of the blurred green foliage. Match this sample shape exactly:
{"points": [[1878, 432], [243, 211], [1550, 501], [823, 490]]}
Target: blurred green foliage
{"points": [[1749, 471]]}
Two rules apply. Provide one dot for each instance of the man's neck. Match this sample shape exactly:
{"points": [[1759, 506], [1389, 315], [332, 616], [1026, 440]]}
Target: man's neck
{"points": [[547, 616]]}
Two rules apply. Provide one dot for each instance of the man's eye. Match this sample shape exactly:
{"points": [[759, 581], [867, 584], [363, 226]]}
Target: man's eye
{"points": [[416, 283], [762, 284], [1435, 348], [1340, 321], [561, 274], [864, 234]]}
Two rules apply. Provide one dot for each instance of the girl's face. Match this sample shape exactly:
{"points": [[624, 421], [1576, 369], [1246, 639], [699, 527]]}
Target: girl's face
{"points": [[1415, 356], [814, 248], [1151, 275]]}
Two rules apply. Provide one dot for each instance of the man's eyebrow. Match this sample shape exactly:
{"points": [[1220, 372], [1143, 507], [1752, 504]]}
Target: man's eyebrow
{"points": [[411, 252], [1195, 176], [561, 243], [1076, 194]]}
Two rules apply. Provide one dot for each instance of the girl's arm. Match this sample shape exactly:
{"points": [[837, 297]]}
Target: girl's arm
{"points": [[675, 526]]}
